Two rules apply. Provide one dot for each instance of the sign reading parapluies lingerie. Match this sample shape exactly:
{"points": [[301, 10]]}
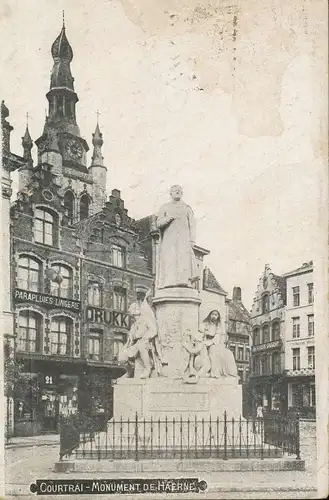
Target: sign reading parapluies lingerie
{"points": [[43, 299]]}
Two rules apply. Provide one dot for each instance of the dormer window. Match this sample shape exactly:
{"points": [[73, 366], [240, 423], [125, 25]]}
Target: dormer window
{"points": [[84, 207], [45, 227], [265, 304]]}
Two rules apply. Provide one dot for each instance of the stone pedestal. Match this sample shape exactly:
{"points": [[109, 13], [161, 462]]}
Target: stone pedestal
{"points": [[162, 397], [177, 311]]}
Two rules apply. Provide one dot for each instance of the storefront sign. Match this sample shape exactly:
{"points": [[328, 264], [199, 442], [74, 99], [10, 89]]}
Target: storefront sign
{"points": [[46, 300], [268, 345], [113, 318]]}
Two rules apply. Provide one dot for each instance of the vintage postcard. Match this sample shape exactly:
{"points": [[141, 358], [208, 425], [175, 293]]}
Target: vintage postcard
{"points": [[164, 249]]}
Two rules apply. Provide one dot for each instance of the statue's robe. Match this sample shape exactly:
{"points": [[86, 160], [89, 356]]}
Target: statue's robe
{"points": [[177, 265]]}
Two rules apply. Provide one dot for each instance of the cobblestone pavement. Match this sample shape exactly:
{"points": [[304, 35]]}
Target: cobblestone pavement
{"points": [[25, 465]]}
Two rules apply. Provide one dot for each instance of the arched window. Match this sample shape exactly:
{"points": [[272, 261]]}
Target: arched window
{"points": [[62, 282], [95, 294], [118, 256], [276, 330], [29, 273], [265, 303], [60, 335], [45, 227], [256, 336], [84, 207], [29, 332], [69, 205], [266, 334]]}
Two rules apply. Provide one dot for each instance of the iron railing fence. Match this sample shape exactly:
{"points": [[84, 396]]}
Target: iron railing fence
{"points": [[140, 439]]}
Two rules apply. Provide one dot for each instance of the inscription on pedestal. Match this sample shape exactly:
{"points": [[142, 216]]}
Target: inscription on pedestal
{"points": [[178, 402]]}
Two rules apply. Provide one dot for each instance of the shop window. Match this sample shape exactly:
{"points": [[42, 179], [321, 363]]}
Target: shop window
{"points": [[312, 395], [119, 299], [84, 207], [29, 332], [311, 357], [276, 330], [296, 395], [29, 274], [310, 325], [296, 327], [266, 334], [69, 202], [310, 293], [295, 296], [95, 338], [296, 359], [45, 227], [118, 256], [95, 296], [60, 335], [62, 283]]}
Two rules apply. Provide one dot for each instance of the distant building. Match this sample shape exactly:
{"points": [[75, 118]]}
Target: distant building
{"points": [[239, 333], [283, 359], [299, 338]]}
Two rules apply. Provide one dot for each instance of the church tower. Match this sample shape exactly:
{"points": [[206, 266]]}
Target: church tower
{"points": [[61, 145]]}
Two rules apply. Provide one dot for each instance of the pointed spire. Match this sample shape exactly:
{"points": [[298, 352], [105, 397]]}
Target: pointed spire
{"points": [[97, 158], [27, 144]]}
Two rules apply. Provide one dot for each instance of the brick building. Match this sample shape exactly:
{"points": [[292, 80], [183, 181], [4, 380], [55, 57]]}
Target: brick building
{"points": [[76, 264]]}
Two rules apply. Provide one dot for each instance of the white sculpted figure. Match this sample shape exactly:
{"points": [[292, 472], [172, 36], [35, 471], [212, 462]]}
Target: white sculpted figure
{"points": [[221, 358], [175, 220], [142, 345]]}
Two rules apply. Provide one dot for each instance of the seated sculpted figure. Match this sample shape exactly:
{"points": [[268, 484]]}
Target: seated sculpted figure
{"points": [[222, 362], [142, 345], [198, 363]]}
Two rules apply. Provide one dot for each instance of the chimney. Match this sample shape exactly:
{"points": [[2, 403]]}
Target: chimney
{"points": [[236, 293]]}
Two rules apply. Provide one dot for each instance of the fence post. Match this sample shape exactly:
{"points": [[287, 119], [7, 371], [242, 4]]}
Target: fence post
{"points": [[136, 437], [297, 438], [225, 435], [261, 438]]}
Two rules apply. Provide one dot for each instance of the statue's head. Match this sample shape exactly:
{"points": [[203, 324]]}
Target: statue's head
{"points": [[213, 317], [176, 192]]}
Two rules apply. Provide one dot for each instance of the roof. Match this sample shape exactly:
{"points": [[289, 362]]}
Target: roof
{"points": [[237, 311], [210, 283], [306, 267]]}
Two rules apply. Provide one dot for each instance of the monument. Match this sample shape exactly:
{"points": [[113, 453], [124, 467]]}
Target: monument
{"points": [[177, 365]]}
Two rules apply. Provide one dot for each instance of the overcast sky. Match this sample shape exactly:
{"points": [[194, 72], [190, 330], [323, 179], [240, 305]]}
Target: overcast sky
{"points": [[226, 102]]}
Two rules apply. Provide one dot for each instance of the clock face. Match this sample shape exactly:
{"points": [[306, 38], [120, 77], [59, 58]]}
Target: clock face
{"points": [[74, 149]]}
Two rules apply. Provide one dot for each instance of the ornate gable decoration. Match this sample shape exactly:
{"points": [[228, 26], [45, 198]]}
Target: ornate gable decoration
{"points": [[273, 285], [115, 212], [41, 189]]}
